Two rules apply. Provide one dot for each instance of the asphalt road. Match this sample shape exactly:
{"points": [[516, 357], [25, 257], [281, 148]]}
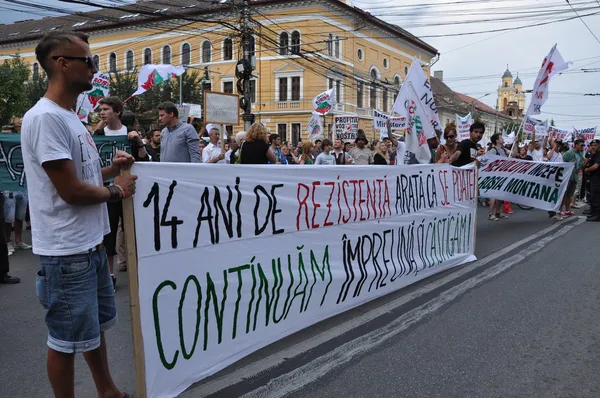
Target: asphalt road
{"points": [[521, 322]]}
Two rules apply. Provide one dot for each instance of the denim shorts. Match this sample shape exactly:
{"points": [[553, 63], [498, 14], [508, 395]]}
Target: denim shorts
{"points": [[15, 206], [78, 293]]}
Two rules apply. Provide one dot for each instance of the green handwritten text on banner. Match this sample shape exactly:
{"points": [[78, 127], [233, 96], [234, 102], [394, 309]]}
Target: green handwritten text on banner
{"points": [[12, 176]]}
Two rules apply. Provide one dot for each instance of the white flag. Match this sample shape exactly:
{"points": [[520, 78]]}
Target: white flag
{"points": [[417, 148], [509, 139], [314, 127], [151, 75], [553, 64], [541, 130], [422, 87], [323, 103], [463, 125]]}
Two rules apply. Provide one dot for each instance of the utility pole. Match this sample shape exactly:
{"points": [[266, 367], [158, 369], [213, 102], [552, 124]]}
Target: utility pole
{"points": [[245, 66]]}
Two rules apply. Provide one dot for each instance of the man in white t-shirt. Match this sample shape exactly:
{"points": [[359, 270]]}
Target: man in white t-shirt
{"points": [[535, 150], [213, 153], [69, 217]]}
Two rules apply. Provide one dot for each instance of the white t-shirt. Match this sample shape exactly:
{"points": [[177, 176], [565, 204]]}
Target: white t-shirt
{"points": [[210, 152], [50, 132], [536, 154], [556, 158], [111, 133], [325, 158]]}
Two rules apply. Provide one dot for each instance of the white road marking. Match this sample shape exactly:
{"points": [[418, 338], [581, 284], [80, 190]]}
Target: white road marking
{"points": [[343, 354], [279, 357]]}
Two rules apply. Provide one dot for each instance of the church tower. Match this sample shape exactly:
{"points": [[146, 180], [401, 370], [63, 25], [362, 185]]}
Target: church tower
{"points": [[511, 98], [505, 90]]}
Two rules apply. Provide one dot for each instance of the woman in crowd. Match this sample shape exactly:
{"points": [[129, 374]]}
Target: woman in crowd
{"points": [[289, 156], [446, 151], [382, 154], [256, 150], [307, 153]]}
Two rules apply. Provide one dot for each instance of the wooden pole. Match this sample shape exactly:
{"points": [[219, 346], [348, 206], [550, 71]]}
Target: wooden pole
{"points": [[134, 297]]}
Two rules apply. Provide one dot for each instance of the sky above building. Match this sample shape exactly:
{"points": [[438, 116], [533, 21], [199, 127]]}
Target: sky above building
{"points": [[476, 39]]}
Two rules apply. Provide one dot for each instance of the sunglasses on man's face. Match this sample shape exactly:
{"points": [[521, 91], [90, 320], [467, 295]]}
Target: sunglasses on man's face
{"points": [[88, 60], [451, 137]]}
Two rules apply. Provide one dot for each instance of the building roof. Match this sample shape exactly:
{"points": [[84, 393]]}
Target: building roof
{"points": [[507, 73], [446, 98], [144, 11], [518, 81]]}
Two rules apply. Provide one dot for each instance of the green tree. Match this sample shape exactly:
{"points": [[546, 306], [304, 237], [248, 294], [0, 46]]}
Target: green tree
{"points": [[191, 88], [36, 89], [14, 102], [122, 85]]}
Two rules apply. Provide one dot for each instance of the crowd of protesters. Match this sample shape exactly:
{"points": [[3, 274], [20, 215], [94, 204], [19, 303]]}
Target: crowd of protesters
{"points": [[76, 207]]}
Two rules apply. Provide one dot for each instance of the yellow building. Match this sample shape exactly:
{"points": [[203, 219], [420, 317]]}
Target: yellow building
{"points": [[301, 49], [511, 98]]}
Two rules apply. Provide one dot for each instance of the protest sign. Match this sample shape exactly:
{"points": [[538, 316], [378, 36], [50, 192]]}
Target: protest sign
{"points": [[88, 101], [346, 127], [183, 111], [586, 134], [221, 108], [323, 103], [565, 135], [233, 260], [463, 125], [195, 111], [12, 176], [380, 121], [537, 184], [530, 126], [418, 79]]}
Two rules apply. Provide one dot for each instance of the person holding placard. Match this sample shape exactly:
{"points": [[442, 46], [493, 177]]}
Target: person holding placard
{"points": [[69, 217], [467, 149], [213, 153]]}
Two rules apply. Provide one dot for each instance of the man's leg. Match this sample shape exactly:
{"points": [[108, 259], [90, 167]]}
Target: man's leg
{"points": [[121, 249], [9, 218], [20, 214], [61, 373], [97, 361], [4, 263]]}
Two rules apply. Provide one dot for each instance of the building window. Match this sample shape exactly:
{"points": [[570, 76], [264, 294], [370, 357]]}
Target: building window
{"points": [[360, 95], [505, 102], [386, 63], [228, 87], [360, 54], [329, 44], [206, 52], [284, 43], [147, 56], [296, 88], [186, 54], [296, 133], [337, 84], [227, 49], [253, 90], [337, 47], [36, 71], [397, 81], [405, 71], [97, 62], [282, 131], [296, 43], [385, 99], [112, 62], [166, 55], [129, 60], [283, 86], [373, 96], [505, 84]]}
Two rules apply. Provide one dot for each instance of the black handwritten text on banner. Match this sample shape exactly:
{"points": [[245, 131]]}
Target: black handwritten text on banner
{"points": [[236, 259]]}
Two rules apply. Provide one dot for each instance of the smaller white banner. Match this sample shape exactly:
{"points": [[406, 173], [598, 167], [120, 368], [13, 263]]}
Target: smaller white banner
{"points": [[463, 125], [380, 120], [565, 135], [586, 134], [538, 184]]}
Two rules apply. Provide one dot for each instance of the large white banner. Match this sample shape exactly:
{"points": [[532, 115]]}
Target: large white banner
{"points": [[587, 134], [233, 260], [538, 184], [463, 125]]}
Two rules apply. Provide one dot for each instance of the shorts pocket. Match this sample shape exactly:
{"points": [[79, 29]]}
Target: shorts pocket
{"points": [[42, 289], [75, 267]]}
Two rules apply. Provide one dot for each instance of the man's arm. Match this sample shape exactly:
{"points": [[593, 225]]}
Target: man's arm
{"points": [[455, 155], [193, 142]]}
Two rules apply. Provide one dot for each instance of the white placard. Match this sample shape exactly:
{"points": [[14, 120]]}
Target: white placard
{"points": [[221, 108], [236, 259], [538, 184], [346, 127], [463, 125]]}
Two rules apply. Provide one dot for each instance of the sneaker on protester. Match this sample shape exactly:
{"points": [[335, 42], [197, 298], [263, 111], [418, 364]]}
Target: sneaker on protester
{"points": [[492, 217], [569, 214], [562, 214], [11, 249], [556, 218], [500, 216], [22, 246], [577, 205]]}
